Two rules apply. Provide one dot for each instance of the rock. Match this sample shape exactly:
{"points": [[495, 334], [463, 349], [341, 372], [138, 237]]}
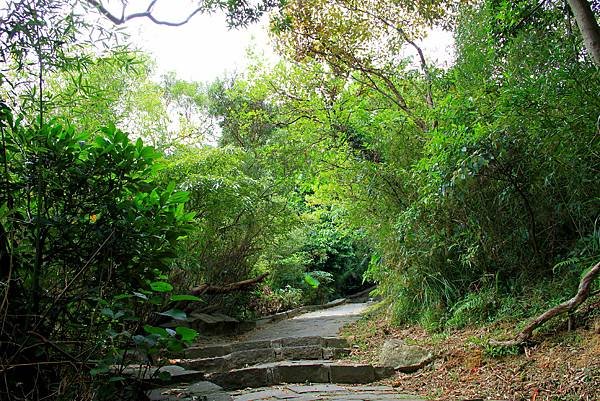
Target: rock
{"points": [[163, 374], [405, 358], [205, 391]]}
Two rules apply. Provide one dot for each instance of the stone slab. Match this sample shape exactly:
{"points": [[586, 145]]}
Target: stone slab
{"points": [[335, 302], [335, 353], [207, 365], [250, 345], [207, 352], [259, 395], [381, 372], [297, 341], [204, 387], [225, 318], [323, 392], [242, 378], [240, 359], [301, 373], [295, 353], [316, 388], [396, 354], [351, 373]]}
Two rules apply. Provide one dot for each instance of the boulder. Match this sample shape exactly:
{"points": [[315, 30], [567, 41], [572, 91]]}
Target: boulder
{"points": [[396, 354]]}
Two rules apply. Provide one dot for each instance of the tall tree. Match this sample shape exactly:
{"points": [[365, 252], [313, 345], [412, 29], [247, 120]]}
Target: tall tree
{"points": [[588, 25]]}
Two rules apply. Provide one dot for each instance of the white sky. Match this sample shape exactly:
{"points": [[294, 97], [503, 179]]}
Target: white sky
{"points": [[205, 49], [201, 50]]}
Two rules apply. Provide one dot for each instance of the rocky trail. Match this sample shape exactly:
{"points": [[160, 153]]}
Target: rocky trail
{"points": [[297, 358]]}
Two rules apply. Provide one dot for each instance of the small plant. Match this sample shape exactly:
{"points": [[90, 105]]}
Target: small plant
{"points": [[494, 351], [269, 301], [319, 283], [132, 346], [499, 351]]}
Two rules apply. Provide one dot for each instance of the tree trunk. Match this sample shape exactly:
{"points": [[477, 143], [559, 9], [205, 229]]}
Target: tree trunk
{"points": [[586, 21]]}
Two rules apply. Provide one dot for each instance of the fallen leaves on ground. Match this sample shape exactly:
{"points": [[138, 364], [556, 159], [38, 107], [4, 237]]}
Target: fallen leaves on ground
{"points": [[561, 365]]}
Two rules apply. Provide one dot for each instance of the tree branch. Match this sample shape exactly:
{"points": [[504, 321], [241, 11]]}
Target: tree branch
{"points": [[145, 14], [402, 33], [238, 286]]}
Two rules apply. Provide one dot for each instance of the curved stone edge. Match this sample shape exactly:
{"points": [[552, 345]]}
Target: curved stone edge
{"points": [[298, 311]]}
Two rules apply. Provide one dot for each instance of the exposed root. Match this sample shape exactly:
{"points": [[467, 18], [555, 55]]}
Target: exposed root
{"points": [[583, 293]]}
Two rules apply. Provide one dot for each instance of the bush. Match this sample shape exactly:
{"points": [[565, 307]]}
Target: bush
{"points": [[269, 301], [82, 226]]}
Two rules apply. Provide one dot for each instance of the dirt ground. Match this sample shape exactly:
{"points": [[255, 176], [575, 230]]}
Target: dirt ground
{"points": [[558, 364]]}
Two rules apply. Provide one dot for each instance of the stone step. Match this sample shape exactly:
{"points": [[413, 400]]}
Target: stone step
{"points": [[201, 391], [323, 392], [241, 359], [223, 357], [206, 391], [313, 371], [225, 349]]}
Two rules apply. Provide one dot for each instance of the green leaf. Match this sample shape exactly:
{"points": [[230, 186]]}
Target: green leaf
{"points": [[161, 286], [179, 197], [310, 280], [182, 297], [140, 295], [156, 330], [108, 312], [187, 334], [175, 314]]}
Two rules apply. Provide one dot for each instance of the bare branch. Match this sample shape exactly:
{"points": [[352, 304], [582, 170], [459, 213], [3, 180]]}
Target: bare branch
{"points": [[145, 14], [238, 286]]}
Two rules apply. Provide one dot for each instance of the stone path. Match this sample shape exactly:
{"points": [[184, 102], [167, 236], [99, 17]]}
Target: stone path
{"points": [[205, 391], [322, 323], [329, 392], [265, 363]]}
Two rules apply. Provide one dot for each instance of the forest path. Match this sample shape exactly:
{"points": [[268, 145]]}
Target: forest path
{"points": [[321, 323], [296, 359]]}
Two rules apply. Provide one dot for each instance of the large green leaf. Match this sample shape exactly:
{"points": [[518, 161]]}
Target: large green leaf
{"points": [[184, 297], [310, 280], [187, 334], [176, 314], [161, 286], [156, 330]]}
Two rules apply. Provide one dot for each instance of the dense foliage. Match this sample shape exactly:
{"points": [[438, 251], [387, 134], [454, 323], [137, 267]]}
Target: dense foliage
{"points": [[468, 193]]}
